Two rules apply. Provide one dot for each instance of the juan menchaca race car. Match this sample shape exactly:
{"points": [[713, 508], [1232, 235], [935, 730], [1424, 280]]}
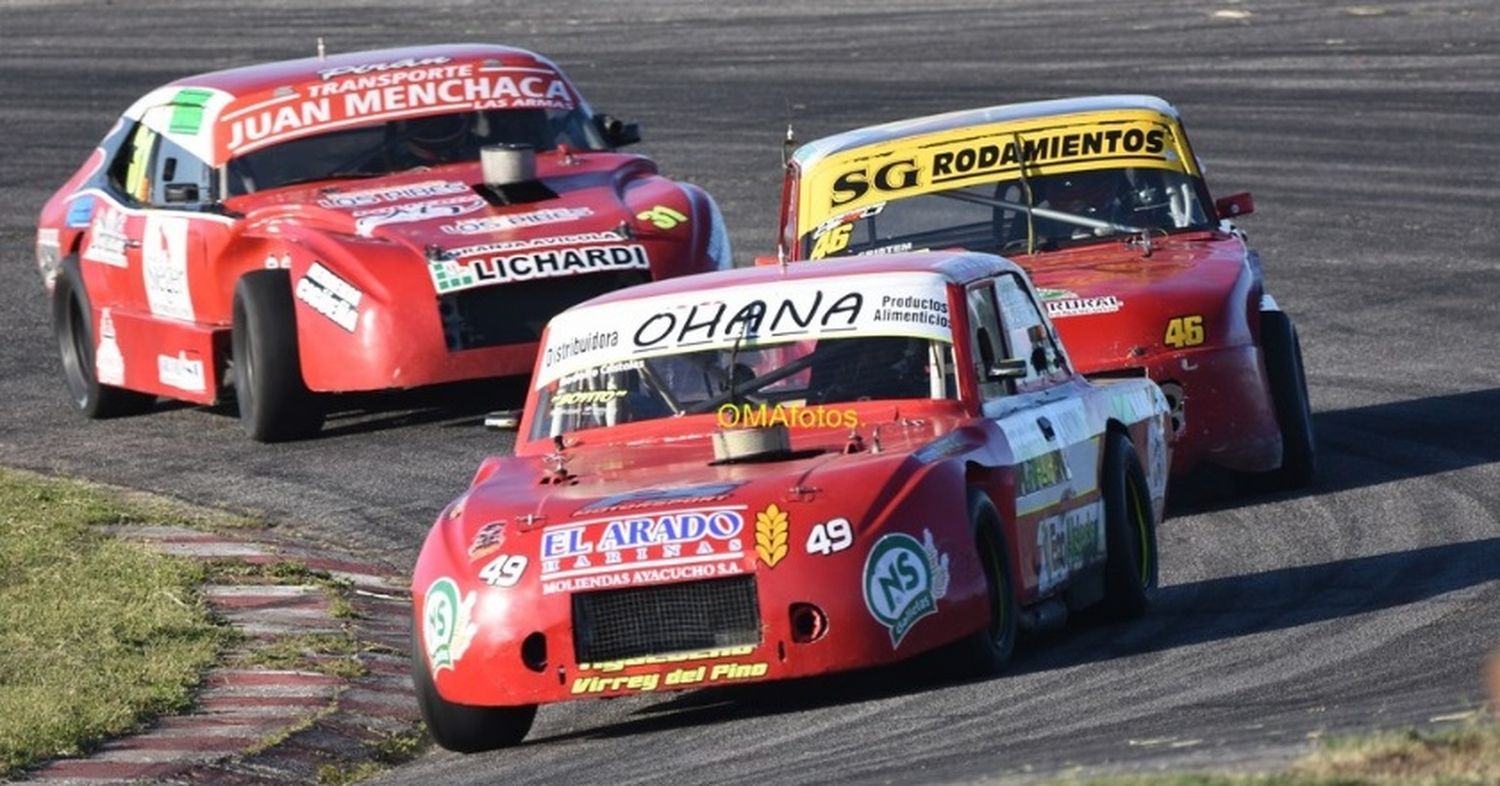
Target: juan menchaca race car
{"points": [[327, 225], [784, 471], [1103, 202]]}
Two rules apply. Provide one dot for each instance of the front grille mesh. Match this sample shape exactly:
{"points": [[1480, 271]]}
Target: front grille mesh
{"points": [[697, 615]]}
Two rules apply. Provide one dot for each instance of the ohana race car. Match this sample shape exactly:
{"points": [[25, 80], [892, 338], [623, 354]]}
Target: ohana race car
{"points": [[783, 471], [326, 225], [1103, 202]]}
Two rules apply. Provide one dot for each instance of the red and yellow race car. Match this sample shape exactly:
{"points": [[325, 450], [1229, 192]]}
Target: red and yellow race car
{"points": [[1103, 201], [364, 221], [784, 471]]}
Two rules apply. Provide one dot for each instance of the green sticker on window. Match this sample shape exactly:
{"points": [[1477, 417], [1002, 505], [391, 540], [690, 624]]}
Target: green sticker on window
{"points": [[187, 110]]}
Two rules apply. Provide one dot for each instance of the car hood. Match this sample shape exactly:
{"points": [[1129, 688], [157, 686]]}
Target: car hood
{"points": [[525, 504], [1181, 264], [447, 207]]}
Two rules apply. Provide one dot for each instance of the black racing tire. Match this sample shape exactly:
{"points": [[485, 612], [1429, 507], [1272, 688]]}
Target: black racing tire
{"points": [[275, 404], [987, 651], [460, 727], [1282, 352], [1131, 572], [72, 325]]}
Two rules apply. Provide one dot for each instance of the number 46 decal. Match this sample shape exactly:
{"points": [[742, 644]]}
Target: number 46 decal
{"points": [[830, 537], [1184, 332], [504, 571]]}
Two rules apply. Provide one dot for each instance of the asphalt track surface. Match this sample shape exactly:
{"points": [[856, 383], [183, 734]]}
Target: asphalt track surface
{"points": [[1368, 136]]}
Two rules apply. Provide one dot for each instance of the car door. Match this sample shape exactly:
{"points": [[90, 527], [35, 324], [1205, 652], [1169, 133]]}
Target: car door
{"points": [[1057, 505], [148, 227], [172, 243], [145, 261]]}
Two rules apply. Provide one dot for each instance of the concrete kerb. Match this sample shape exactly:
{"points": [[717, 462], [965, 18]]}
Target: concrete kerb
{"points": [[257, 724]]}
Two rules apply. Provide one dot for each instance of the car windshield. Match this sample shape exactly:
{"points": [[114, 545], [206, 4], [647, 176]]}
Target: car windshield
{"points": [[1064, 210], [727, 381], [408, 143]]}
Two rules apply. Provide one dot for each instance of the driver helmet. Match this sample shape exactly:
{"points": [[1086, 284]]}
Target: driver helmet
{"points": [[1147, 192], [1081, 193], [436, 132]]}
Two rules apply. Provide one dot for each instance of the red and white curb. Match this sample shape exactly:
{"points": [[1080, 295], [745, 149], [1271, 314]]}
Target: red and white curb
{"points": [[261, 726]]}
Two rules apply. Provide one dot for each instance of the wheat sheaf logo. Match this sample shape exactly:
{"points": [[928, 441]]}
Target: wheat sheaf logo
{"points": [[771, 535]]}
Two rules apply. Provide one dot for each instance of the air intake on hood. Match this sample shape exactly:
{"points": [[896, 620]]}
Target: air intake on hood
{"points": [[744, 444], [510, 175]]}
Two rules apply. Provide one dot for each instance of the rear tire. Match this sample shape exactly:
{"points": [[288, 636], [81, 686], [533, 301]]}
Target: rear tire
{"points": [[72, 325], [459, 727], [1282, 352], [988, 650], [275, 405], [1130, 566]]}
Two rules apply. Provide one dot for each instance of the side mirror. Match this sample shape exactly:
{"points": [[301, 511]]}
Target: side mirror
{"points": [[617, 133], [1235, 205], [1008, 368], [503, 420], [181, 193]]}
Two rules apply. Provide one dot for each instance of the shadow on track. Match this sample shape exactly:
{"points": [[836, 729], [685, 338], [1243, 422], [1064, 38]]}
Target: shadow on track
{"points": [[455, 405], [1185, 615], [1408, 439]]}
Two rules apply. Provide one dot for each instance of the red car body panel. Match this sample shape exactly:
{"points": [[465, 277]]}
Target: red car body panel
{"points": [[163, 277], [559, 503], [1128, 293]]}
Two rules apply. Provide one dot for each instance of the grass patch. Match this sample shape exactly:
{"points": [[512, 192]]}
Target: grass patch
{"points": [[97, 634], [1468, 754]]}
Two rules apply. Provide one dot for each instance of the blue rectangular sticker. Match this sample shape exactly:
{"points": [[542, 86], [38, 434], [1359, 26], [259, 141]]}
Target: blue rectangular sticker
{"points": [[81, 211]]}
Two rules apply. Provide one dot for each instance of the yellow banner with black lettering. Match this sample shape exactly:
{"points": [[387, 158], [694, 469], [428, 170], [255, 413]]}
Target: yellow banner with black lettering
{"points": [[926, 163]]}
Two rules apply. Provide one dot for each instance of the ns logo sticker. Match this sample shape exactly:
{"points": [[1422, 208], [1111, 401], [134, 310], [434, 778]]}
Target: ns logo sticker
{"points": [[893, 176], [447, 624], [904, 580]]}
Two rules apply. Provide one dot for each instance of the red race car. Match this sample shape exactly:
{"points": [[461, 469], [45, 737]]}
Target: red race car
{"points": [[784, 471], [367, 221], [1103, 202]]}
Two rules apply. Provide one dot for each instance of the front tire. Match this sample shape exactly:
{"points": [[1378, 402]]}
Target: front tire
{"points": [[1130, 567], [1283, 358], [275, 405], [988, 650], [72, 325], [459, 727]]}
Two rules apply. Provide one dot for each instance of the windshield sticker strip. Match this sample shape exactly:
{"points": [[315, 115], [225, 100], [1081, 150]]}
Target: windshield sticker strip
{"points": [[856, 179], [339, 102], [913, 305]]}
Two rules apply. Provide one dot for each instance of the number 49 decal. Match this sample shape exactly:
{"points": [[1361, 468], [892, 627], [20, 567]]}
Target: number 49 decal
{"points": [[1184, 332], [830, 537], [504, 571]]}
